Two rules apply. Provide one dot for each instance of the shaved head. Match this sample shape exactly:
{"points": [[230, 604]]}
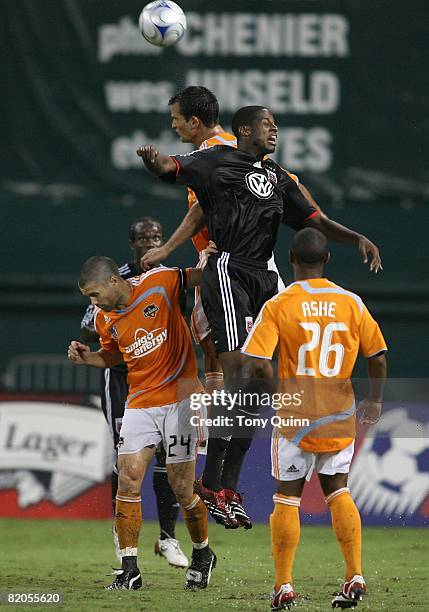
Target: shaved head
{"points": [[97, 270], [309, 247]]}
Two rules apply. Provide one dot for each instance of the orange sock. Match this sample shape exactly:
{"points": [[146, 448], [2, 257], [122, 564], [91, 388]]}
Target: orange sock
{"points": [[285, 534], [196, 519], [347, 528], [128, 520]]}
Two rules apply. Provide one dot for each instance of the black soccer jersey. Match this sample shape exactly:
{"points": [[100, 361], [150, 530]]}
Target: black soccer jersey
{"points": [[244, 200]]}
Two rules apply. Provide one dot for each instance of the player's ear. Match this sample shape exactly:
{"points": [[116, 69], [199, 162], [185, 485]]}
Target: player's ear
{"points": [[131, 244], [244, 130], [194, 122], [328, 257]]}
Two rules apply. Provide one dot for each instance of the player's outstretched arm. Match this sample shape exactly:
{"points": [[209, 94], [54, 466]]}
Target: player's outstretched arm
{"points": [[191, 224], [155, 162], [340, 233], [370, 407], [81, 354]]}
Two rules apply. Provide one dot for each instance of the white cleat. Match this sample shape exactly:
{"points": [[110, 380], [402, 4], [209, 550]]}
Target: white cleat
{"points": [[116, 543], [170, 550]]}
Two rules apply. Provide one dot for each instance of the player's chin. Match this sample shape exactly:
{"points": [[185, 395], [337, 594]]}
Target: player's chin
{"points": [[270, 147]]}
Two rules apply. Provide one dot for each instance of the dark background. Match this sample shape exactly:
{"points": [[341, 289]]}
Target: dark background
{"points": [[64, 198]]}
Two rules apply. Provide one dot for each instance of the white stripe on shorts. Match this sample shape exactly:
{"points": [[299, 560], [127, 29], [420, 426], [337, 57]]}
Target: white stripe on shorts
{"points": [[227, 302]]}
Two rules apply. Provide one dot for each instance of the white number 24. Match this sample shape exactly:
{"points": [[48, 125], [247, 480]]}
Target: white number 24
{"points": [[325, 349]]}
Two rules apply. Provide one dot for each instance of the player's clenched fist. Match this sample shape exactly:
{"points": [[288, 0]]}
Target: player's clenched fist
{"points": [[78, 353], [148, 153]]}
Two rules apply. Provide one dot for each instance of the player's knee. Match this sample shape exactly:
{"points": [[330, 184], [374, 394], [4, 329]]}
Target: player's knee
{"points": [[331, 483], [130, 479]]}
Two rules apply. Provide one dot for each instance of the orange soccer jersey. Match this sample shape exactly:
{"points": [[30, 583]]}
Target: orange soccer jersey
{"points": [[320, 328], [154, 339]]}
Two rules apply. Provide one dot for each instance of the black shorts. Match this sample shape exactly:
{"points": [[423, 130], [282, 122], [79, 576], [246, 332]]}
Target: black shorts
{"points": [[233, 291], [114, 393]]}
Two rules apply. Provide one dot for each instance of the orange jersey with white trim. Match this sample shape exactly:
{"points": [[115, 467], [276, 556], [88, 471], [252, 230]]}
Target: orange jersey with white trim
{"points": [[320, 329], [201, 239], [154, 339]]}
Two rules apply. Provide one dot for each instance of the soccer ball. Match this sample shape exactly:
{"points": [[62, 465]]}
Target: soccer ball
{"points": [[162, 23]]}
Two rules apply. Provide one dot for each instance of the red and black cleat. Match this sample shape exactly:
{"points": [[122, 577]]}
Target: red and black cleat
{"points": [[217, 505], [352, 591], [284, 599], [235, 502]]}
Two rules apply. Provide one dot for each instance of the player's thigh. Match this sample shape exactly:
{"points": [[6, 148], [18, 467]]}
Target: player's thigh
{"points": [[288, 461], [140, 429], [227, 304], [333, 468]]}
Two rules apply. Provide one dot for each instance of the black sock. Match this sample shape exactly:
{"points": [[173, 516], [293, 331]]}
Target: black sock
{"points": [[168, 508], [234, 458], [129, 563], [213, 468], [114, 481]]}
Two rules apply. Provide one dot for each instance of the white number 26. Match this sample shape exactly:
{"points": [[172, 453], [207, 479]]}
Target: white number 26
{"points": [[325, 349]]}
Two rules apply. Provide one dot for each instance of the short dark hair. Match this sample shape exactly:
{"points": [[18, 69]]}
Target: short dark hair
{"points": [[309, 246], [199, 102], [245, 116], [97, 269], [143, 221]]}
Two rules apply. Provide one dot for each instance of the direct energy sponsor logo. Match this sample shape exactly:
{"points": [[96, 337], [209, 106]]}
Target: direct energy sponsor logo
{"points": [[146, 342]]}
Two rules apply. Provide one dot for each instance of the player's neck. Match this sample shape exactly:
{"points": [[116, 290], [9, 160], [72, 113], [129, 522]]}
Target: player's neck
{"points": [[253, 150], [308, 273], [124, 295], [207, 133]]}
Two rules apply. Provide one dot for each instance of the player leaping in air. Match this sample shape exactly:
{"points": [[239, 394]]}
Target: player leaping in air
{"points": [[243, 197]]}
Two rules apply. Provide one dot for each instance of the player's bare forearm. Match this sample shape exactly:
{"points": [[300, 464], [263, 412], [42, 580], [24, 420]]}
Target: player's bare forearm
{"points": [[340, 233], [377, 372], [81, 354], [191, 224], [156, 162]]}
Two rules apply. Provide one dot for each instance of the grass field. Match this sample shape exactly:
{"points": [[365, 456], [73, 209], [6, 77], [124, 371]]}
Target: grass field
{"points": [[73, 558]]}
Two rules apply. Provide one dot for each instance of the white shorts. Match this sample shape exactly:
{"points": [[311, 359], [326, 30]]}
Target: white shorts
{"points": [[290, 462], [272, 266], [199, 324], [169, 425]]}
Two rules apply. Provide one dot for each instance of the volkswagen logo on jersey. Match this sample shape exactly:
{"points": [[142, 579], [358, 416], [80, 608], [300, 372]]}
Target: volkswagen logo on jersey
{"points": [[259, 185]]}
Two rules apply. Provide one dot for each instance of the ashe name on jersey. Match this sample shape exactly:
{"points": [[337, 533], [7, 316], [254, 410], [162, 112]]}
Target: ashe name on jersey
{"points": [[244, 199]]}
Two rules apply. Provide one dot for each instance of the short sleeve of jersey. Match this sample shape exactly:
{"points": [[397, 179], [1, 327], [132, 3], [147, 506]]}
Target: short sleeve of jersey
{"points": [[88, 317], [371, 338], [195, 169], [296, 208], [106, 341], [263, 339], [173, 280]]}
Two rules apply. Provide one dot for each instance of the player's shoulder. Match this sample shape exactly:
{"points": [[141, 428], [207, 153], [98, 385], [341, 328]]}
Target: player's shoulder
{"points": [[281, 172], [128, 270], [222, 138], [347, 295]]}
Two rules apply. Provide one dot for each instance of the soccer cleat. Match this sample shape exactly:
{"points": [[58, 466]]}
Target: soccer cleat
{"points": [[116, 544], [199, 572], [217, 505], [352, 591], [235, 502], [170, 550], [285, 598], [126, 580]]}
